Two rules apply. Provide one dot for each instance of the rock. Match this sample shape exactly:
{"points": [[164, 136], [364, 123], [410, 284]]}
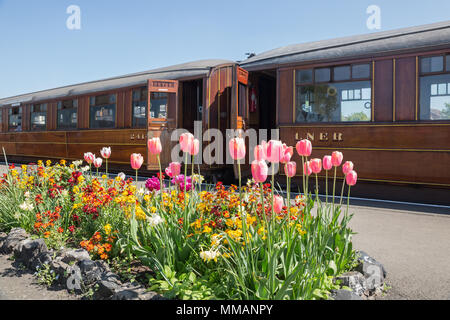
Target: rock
{"points": [[355, 281], [131, 292], [344, 295], [61, 269], [26, 251], [40, 260], [13, 239], [108, 285], [91, 271], [2, 238], [75, 255], [373, 271]]}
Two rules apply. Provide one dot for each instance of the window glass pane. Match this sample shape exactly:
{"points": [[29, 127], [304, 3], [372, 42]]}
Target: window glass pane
{"points": [[139, 107], [360, 71], [432, 64], [158, 107], [447, 62], [434, 105], [341, 73], [334, 102], [304, 76], [67, 114], [38, 117], [322, 75], [103, 116], [442, 89], [15, 119]]}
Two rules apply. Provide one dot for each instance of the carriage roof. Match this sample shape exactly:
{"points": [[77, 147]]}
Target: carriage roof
{"points": [[198, 68], [425, 36]]}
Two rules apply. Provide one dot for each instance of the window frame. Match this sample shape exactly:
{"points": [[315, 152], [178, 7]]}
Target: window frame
{"points": [[109, 94], [45, 127], [133, 90], [313, 82], [421, 74], [21, 109], [57, 110]]}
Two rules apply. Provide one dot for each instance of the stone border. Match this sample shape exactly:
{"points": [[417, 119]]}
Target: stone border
{"points": [[76, 271], [73, 268]]}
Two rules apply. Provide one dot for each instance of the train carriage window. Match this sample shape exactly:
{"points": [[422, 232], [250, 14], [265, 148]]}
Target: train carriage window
{"points": [[304, 76], [432, 64], [339, 100], [15, 119], [102, 111], [139, 107], [158, 105], [67, 114], [435, 88], [322, 75], [38, 117], [361, 71]]}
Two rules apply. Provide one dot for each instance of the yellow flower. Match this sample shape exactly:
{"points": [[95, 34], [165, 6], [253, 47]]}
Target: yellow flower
{"points": [[48, 163], [206, 229], [62, 162], [107, 229], [40, 163], [140, 214]]}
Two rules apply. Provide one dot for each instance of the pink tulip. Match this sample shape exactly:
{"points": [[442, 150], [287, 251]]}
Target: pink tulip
{"points": [[175, 168], [89, 157], [259, 153], [106, 152], [186, 140], [274, 151], [336, 158], [307, 168], [277, 204], [290, 169], [286, 153], [136, 160], [316, 165], [154, 145], [98, 162], [168, 172], [237, 148], [195, 147], [259, 170], [304, 147], [347, 167], [351, 178], [327, 162]]}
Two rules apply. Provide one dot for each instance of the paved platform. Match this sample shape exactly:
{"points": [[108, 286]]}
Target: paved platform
{"points": [[413, 246]]}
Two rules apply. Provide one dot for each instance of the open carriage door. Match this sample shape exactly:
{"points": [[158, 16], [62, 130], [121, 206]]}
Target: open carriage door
{"points": [[240, 113], [162, 115]]}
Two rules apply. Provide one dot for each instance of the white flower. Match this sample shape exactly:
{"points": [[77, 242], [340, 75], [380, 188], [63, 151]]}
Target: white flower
{"points": [[64, 193], [26, 206], [121, 175], [154, 220], [27, 194], [84, 169], [209, 255], [17, 215], [77, 163], [141, 191]]}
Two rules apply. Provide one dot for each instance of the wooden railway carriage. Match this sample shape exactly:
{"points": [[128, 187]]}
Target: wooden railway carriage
{"points": [[383, 99], [122, 112]]}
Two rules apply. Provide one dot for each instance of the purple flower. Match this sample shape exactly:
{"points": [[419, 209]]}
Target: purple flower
{"points": [[179, 180], [153, 184]]}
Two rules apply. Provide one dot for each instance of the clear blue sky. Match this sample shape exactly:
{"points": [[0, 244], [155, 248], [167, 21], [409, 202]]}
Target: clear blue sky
{"points": [[38, 52]]}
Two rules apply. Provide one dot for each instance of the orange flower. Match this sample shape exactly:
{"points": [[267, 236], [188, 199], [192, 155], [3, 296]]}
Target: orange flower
{"points": [[60, 230], [46, 234], [104, 256]]}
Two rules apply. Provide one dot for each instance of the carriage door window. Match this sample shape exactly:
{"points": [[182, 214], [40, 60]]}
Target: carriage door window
{"points": [[102, 111], [435, 88], [140, 107], [158, 105], [67, 114], [38, 118]]}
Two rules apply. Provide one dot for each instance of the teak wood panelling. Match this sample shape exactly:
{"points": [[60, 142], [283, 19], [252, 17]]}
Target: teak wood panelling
{"points": [[285, 96], [128, 120], [120, 109], [378, 156], [383, 91], [405, 96]]}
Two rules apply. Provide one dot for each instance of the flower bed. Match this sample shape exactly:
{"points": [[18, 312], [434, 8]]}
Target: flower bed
{"points": [[226, 242]]}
